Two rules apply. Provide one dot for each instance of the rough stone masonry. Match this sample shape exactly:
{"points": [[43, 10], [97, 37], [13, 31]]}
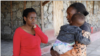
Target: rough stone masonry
{"points": [[7, 29]]}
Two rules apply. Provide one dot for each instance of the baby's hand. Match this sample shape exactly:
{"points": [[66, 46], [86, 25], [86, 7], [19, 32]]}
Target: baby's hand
{"points": [[86, 34], [83, 31]]}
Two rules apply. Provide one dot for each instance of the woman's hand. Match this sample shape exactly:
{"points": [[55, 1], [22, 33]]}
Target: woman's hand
{"points": [[34, 26], [54, 53]]}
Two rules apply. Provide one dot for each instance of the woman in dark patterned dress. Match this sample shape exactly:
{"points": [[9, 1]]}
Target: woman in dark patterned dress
{"points": [[79, 49]]}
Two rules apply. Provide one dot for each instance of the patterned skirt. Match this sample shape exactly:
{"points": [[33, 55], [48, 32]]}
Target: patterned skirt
{"points": [[79, 49]]}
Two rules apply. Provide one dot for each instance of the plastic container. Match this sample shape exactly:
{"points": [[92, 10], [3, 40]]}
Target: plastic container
{"points": [[91, 29]]}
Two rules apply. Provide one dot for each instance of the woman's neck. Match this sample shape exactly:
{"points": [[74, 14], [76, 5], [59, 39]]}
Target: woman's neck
{"points": [[28, 27]]}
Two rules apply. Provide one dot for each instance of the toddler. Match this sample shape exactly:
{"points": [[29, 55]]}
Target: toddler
{"points": [[70, 33]]}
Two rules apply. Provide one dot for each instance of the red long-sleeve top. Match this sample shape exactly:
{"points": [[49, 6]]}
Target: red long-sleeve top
{"points": [[25, 44]]}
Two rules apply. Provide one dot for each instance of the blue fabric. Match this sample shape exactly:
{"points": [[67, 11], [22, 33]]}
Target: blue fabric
{"points": [[69, 34]]}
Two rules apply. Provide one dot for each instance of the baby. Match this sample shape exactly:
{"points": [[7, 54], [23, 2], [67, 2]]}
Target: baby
{"points": [[70, 33]]}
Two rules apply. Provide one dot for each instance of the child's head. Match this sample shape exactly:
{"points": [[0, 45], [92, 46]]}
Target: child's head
{"points": [[78, 19]]}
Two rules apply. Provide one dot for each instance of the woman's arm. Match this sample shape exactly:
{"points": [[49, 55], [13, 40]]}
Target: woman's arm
{"points": [[44, 38], [16, 43]]}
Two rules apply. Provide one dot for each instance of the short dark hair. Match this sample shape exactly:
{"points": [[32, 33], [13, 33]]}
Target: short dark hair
{"points": [[26, 11], [77, 15], [79, 8]]}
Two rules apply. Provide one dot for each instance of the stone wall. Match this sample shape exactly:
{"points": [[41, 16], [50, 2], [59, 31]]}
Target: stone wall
{"points": [[5, 20], [93, 17], [48, 19], [94, 13], [7, 28], [65, 6]]}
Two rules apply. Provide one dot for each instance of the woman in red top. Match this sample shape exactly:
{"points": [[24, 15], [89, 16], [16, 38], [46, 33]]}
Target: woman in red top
{"points": [[27, 38]]}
